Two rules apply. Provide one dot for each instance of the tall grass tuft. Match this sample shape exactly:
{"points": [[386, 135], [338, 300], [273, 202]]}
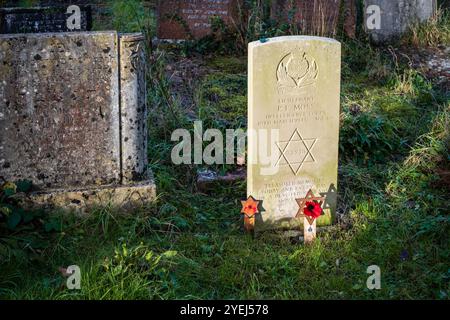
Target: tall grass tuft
{"points": [[434, 32]]}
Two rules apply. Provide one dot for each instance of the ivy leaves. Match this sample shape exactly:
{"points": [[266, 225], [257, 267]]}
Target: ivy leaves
{"points": [[21, 228]]}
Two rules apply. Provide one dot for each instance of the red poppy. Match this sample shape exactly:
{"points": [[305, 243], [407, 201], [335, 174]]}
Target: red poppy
{"points": [[250, 206], [312, 209]]}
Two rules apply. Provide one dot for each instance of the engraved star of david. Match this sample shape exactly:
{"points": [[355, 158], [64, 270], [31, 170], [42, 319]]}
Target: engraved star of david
{"points": [[308, 144]]}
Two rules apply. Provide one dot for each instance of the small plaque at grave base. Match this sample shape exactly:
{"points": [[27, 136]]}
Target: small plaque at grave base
{"points": [[293, 122]]}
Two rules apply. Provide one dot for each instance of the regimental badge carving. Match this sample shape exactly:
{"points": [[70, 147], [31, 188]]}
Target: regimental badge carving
{"points": [[296, 70]]}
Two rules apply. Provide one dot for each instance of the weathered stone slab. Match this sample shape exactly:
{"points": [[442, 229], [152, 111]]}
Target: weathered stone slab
{"points": [[59, 109], [73, 112], [395, 17], [183, 20], [40, 20], [133, 107], [316, 17], [293, 121]]}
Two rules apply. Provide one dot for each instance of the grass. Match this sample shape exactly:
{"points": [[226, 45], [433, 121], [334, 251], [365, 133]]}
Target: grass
{"points": [[433, 33], [393, 200]]}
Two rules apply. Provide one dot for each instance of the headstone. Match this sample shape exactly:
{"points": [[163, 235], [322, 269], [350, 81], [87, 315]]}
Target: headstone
{"points": [[100, 9], [293, 123], [185, 20], [387, 20], [45, 19], [317, 17], [73, 116]]}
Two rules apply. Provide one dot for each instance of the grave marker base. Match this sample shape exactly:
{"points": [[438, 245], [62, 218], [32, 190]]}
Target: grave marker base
{"points": [[82, 201]]}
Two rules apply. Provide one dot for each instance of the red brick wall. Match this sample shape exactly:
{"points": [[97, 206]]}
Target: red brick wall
{"points": [[183, 19]]}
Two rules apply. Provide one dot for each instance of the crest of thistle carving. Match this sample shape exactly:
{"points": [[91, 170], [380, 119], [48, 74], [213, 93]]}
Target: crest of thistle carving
{"points": [[296, 70]]}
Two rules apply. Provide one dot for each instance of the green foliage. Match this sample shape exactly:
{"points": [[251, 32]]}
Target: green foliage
{"points": [[434, 32], [132, 16], [223, 101], [11, 213], [229, 64], [367, 138], [23, 233], [222, 104], [362, 60], [27, 3], [166, 109], [141, 266], [413, 86]]}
